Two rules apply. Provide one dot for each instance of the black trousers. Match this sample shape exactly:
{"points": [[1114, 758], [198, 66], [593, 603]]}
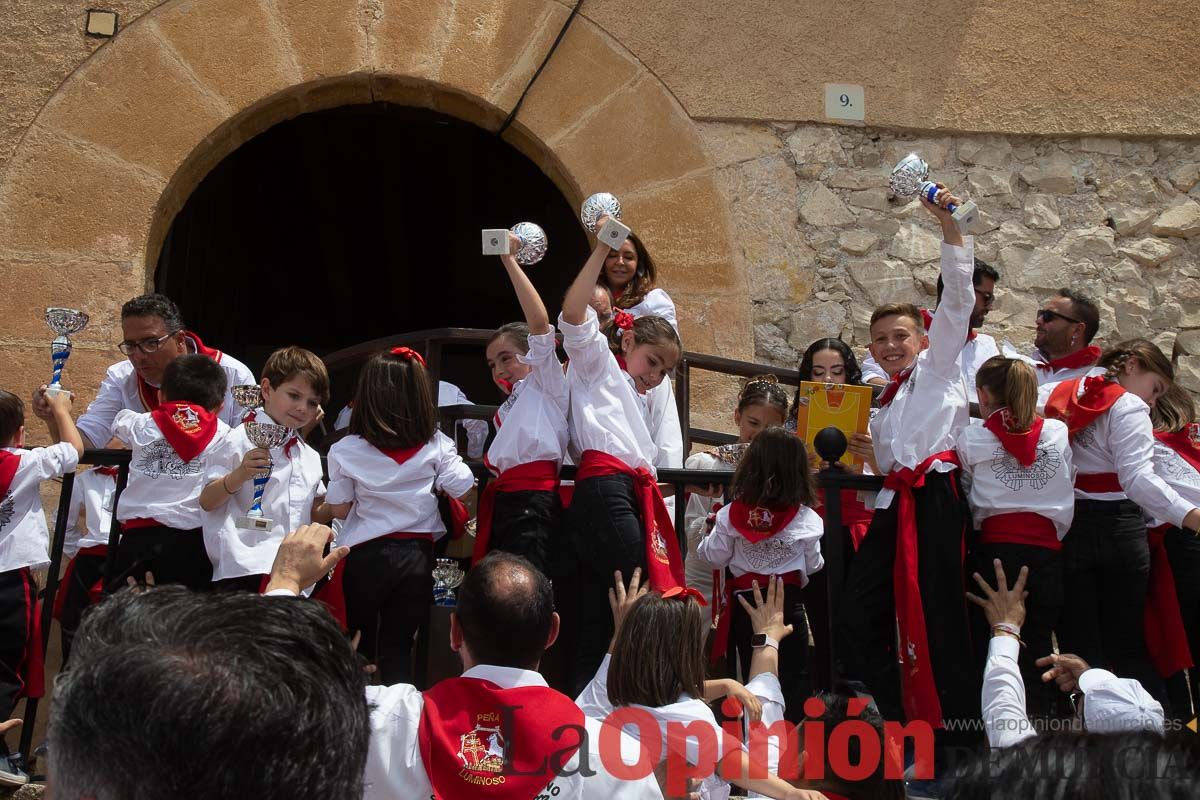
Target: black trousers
{"points": [[867, 637], [389, 587], [1106, 561], [1183, 550], [173, 556], [243, 583], [527, 523], [793, 651], [1043, 607], [18, 603], [87, 571], [606, 535], [818, 612]]}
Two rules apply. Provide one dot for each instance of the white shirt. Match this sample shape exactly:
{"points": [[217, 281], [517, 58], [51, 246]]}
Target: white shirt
{"points": [[795, 548], [765, 686], [1004, 717], [1122, 441], [1177, 473], [390, 497], [974, 353], [607, 413], [531, 425], [928, 410], [448, 395], [162, 486], [998, 483], [24, 538], [1046, 376], [656, 303], [687, 709], [119, 390], [663, 421], [697, 572], [94, 493], [287, 501], [395, 770]]}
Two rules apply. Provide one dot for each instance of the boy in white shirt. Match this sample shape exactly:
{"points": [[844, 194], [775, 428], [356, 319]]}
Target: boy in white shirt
{"points": [[24, 544], [294, 385], [159, 511]]}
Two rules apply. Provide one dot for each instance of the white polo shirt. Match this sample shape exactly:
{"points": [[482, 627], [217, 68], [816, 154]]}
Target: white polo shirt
{"points": [[24, 538]]}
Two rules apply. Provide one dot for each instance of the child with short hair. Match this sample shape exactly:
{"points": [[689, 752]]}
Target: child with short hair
{"points": [[294, 386], [384, 481], [24, 546], [520, 511], [768, 530], [1020, 484], [159, 511]]}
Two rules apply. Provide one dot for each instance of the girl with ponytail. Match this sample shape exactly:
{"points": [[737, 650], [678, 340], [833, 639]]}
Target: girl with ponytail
{"points": [[1106, 555], [1020, 486]]}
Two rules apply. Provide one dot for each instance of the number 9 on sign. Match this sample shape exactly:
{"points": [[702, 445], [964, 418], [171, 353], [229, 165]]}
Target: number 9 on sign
{"points": [[844, 101]]}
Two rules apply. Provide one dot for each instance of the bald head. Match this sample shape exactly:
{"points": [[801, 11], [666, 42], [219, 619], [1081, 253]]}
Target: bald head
{"points": [[506, 611]]}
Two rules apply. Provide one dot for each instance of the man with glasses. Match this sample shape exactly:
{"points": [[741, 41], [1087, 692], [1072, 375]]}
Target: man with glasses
{"points": [[979, 347], [153, 335], [1062, 346]]}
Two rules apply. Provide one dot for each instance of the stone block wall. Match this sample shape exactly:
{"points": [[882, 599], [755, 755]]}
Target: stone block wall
{"points": [[823, 242]]}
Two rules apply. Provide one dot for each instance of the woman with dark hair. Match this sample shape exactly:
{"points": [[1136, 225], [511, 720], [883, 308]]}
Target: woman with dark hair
{"points": [[630, 275], [827, 361]]}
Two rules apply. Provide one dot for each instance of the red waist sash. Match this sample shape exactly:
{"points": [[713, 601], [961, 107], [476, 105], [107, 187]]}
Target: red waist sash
{"points": [[723, 611], [1098, 482], [1165, 634], [141, 522], [532, 477], [1021, 527]]}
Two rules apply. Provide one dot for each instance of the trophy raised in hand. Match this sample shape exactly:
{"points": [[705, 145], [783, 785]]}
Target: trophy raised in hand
{"points": [[447, 576], [264, 435], [532, 248], [600, 206], [910, 178], [65, 322]]}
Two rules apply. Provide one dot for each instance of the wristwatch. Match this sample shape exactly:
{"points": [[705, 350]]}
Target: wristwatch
{"points": [[762, 640]]}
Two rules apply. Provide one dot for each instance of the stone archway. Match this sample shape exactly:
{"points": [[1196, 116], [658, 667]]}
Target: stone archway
{"points": [[109, 160]]}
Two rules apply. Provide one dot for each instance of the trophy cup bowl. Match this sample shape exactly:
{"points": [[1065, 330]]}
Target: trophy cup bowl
{"points": [[267, 436], [533, 243], [247, 395], [65, 322], [447, 576], [910, 177], [601, 204], [731, 453]]}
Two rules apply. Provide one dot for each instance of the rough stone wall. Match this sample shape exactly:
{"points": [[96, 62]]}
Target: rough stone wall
{"points": [[823, 242]]}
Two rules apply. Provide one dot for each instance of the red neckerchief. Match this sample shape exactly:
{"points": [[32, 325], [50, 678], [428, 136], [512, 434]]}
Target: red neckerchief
{"points": [[664, 566], [1086, 357], [252, 416], [917, 681], [1185, 442], [478, 740], [893, 386], [400, 454], [109, 471], [1021, 446], [1080, 410], [927, 316], [756, 523], [8, 470], [149, 394], [187, 427]]}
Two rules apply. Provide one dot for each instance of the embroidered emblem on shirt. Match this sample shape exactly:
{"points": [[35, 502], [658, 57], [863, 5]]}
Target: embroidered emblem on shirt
{"points": [[1016, 477], [481, 750], [768, 554], [7, 508], [760, 518], [1173, 467], [187, 420], [159, 459]]}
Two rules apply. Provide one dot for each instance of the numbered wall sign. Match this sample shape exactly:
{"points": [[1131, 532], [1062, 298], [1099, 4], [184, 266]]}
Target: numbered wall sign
{"points": [[844, 101]]}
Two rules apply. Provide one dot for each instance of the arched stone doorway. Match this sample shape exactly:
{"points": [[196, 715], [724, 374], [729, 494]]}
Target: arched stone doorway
{"points": [[88, 198]]}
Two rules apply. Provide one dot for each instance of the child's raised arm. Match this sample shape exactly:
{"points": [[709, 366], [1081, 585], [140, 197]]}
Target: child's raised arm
{"points": [[531, 302], [62, 427], [575, 304]]}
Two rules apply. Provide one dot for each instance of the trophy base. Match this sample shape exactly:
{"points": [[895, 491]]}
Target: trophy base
{"points": [[254, 524], [965, 216], [613, 233], [55, 391]]}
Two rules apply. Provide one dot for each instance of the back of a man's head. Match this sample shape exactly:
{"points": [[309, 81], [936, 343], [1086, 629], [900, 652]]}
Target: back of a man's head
{"points": [[505, 609], [832, 711], [231, 695]]}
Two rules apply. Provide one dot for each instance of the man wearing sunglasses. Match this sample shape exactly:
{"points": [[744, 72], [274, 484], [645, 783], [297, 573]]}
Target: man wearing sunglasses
{"points": [[153, 335], [1063, 349]]}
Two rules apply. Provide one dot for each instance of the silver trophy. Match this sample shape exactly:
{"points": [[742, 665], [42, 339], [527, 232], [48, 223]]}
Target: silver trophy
{"points": [[447, 576], [601, 204], [911, 178], [533, 243], [731, 454], [267, 436], [65, 322]]}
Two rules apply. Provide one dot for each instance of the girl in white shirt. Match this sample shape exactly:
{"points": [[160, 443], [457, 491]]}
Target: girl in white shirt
{"points": [[520, 511], [384, 481], [630, 275], [1106, 556], [617, 520], [1019, 479], [769, 529]]}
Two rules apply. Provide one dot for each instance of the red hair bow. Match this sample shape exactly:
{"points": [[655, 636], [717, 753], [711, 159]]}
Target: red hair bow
{"points": [[683, 593], [408, 353], [623, 320]]}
